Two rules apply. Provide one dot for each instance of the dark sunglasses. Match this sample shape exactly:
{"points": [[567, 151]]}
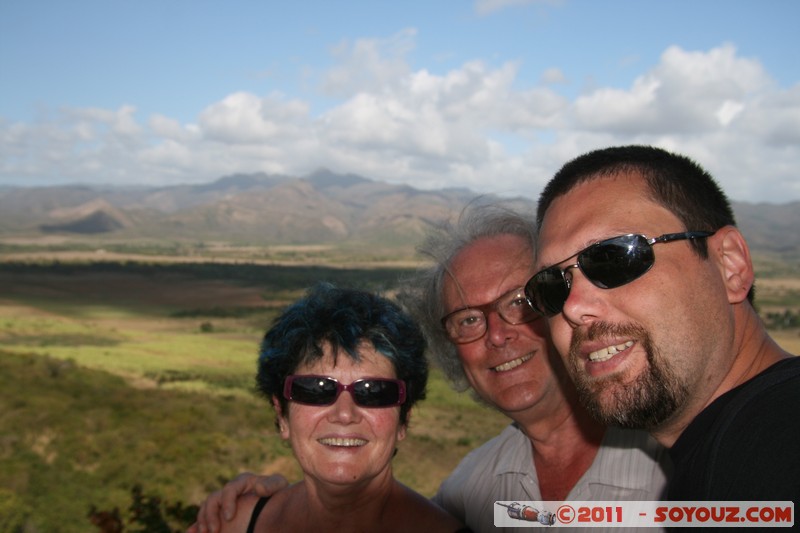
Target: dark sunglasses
{"points": [[323, 390], [607, 264]]}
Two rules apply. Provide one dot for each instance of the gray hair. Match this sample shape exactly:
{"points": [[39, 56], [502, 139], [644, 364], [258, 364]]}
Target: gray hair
{"points": [[423, 295]]}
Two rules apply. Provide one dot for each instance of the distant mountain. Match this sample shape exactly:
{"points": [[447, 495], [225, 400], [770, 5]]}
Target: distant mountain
{"points": [[96, 222], [322, 207], [93, 217], [770, 227]]}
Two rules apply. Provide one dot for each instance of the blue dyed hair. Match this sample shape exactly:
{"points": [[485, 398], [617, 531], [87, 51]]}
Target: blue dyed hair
{"points": [[343, 319]]}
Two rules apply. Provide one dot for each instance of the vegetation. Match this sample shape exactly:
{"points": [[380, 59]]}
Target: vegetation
{"points": [[268, 276], [124, 391], [148, 512], [787, 319]]}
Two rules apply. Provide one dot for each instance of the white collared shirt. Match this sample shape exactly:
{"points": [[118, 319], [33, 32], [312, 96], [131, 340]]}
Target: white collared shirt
{"points": [[629, 465]]}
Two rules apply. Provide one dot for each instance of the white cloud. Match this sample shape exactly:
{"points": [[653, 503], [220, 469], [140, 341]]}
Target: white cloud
{"points": [[728, 111], [472, 126], [722, 109], [120, 122], [553, 75], [168, 128], [246, 118], [369, 64], [774, 118], [685, 92]]}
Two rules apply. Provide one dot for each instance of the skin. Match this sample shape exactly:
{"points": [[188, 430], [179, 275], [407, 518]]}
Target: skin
{"points": [[537, 394], [511, 367], [687, 317], [345, 452], [524, 348], [343, 444]]}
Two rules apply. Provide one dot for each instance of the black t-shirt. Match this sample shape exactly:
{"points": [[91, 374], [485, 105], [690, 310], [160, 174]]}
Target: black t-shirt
{"points": [[745, 445]]}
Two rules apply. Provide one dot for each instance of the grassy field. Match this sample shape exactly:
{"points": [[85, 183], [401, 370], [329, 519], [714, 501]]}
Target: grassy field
{"points": [[113, 375], [113, 378]]}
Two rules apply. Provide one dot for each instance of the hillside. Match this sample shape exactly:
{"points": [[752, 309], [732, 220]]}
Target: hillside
{"points": [[262, 209]]}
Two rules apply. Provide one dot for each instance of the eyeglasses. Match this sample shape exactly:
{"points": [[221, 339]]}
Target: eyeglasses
{"points": [[323, 390], [469, 323], [607, 264]]}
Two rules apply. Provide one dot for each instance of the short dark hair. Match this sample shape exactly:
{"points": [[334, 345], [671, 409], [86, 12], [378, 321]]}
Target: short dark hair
{"points": [[674, 181], [343, 319]]}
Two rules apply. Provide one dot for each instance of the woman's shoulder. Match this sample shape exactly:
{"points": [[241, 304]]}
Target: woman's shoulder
{"points": [[245, 505], [418, 513]]}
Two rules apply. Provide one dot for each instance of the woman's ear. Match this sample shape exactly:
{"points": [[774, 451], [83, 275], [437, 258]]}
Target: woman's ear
{"points": [[403, 427], [735, 263], [283, 420]]}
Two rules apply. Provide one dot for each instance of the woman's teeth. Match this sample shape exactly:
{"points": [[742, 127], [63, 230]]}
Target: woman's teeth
{"points": [[342, 442]]}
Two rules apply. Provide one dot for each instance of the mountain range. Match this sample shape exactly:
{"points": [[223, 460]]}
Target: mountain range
{"points": [[321, 208]]}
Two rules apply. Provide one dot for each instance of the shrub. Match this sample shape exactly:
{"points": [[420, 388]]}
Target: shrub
{"points": [[149, 514]]}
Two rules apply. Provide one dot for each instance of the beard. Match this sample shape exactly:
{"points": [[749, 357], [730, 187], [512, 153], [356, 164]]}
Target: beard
{"points": [[646, 402]]}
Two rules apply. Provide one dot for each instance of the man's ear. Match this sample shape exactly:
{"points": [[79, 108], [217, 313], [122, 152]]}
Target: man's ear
{"points": [[283, 421], [735, 263]]}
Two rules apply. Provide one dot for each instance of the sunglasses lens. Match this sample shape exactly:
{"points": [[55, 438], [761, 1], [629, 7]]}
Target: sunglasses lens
{"points": [[321, 390], [378, 392], [313, 390], [607, 264], [547, 291], [617, 261]]}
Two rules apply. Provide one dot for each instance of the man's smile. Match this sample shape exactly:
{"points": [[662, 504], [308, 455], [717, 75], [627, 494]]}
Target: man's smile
{"points": [[604, 354], [514, 363]]}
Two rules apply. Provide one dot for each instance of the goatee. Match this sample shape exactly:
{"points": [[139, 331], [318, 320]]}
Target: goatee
{"points": [[646, 402]]}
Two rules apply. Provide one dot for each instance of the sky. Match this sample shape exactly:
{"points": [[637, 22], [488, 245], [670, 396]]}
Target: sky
{"points": [[491, 95]]}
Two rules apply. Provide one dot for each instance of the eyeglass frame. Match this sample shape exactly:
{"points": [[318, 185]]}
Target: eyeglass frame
{"points": [[651, 241], [494, 305]]}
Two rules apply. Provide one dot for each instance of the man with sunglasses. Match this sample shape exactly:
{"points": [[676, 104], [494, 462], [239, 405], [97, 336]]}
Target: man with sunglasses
{"points": [[485, 337], [646, 284]]}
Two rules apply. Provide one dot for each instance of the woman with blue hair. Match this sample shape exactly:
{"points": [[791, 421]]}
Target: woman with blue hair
{"points": [[342, 368]]}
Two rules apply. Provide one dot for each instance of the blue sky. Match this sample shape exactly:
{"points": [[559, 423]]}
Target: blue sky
{"points": [[493, 95]]}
